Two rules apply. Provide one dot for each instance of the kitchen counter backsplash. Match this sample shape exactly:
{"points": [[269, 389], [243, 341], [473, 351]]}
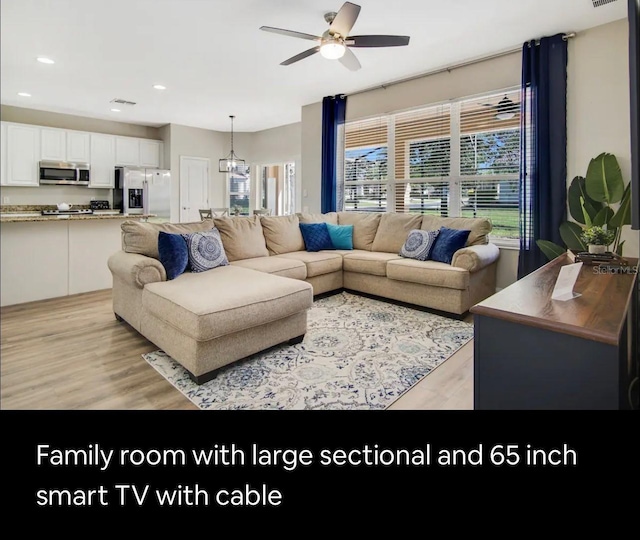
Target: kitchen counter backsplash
{"points": [[22, 208]]}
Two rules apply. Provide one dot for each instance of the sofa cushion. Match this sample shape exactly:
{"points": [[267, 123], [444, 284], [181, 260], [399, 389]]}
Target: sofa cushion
{"points": [[316, 236], [341, 236], [447, 243], [173, 253], [282, 234], [242, 237], [206, 251], [365, 226], [393, 231], [236, 299], [368, 262], [329, 217], [428, 273], [318, 263], [275, 265], [479, 227], [142, 238]]}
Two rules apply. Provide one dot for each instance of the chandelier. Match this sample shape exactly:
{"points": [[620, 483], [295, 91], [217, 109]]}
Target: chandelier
{"points": [[231, 163]]}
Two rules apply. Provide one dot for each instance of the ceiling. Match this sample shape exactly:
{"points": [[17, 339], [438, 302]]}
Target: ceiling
{"points": [[214, 60]]}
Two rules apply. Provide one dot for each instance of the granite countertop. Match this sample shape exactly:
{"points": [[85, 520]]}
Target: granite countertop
{"points": [[20, 217]]}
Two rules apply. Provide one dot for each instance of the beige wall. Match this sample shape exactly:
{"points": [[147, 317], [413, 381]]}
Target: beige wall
{"points": [[598, 109], [80, 123]]}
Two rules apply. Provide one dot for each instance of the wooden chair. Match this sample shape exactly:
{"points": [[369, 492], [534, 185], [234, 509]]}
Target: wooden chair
{"points": [[205, 214], [220, 212], [262, 212]]}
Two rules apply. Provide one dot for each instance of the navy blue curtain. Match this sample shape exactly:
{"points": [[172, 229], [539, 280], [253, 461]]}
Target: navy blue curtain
{"points": [[333, 111], [543, 161]]}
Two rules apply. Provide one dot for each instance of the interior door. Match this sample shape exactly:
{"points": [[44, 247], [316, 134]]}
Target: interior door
{"points": [[194, 187]]}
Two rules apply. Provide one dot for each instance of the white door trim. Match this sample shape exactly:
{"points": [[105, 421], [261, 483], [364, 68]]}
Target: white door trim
{"points": [[208, 190]]}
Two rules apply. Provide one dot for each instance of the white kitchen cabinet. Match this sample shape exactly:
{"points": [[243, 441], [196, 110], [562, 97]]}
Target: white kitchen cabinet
{"points": [[53, 144], [3, 154], [78, 147], [149, 154], [127, 151], [103, 161], [23, 154]]}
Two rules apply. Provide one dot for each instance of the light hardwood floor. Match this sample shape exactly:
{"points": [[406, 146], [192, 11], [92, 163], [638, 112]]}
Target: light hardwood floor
{"points": [[71, 353]]}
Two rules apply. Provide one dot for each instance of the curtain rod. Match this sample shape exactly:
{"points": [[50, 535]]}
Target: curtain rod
{"points": [[566, 37]]}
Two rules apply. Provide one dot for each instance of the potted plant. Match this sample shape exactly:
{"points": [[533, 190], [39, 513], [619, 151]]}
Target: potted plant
{"points": [[600, 199], [597, 239]]}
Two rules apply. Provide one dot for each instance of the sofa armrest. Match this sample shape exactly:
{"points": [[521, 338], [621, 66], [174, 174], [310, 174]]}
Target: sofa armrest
{"points": [[474, 258], [136, 269]]}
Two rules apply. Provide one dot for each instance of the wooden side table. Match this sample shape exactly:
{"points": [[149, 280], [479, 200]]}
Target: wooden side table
{"points": [[532, 352]]}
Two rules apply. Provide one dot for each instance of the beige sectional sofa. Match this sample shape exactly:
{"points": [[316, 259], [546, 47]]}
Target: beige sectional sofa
{"points": [[210, 319]]}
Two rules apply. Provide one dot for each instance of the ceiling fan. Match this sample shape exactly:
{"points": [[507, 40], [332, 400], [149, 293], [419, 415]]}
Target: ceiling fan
{"points": [[335, 42], [505, 109]]}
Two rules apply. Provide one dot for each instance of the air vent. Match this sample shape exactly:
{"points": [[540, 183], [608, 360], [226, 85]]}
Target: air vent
{"points": [[123, 101], [598, 3]]}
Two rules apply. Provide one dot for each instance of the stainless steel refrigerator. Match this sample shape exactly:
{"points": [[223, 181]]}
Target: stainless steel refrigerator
{"points": [[143, 191]]}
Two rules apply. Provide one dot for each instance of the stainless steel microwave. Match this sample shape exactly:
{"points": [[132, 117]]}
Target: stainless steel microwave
{"points": [[64, 173]]}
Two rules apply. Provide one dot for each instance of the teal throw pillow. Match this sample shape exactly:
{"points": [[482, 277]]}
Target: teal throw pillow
{"points": [[341, 236], [316, 236]]}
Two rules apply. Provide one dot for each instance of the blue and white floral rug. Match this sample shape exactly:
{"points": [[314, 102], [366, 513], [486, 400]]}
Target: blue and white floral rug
{"points": [[358, 353]]}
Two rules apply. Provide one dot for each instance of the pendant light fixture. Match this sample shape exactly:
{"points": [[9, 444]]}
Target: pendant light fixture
{"points": [[231, 163]]}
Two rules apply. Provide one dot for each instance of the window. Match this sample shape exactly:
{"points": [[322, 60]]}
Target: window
{"points": [[461, 158], [239, 191]]}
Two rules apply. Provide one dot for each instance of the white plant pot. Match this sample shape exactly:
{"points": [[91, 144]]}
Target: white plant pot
{"points": [[597, 250]]}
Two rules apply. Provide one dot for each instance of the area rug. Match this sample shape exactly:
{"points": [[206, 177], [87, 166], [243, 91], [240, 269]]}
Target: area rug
{"points": [[358, 353]]}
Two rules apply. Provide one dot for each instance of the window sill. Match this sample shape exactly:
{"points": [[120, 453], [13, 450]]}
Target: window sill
{"points": [[502, 244]]}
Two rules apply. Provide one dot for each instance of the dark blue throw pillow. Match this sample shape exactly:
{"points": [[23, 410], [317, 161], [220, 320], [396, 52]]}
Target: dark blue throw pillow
{"points": [[174, 254], [316, 236], [448, 242]]}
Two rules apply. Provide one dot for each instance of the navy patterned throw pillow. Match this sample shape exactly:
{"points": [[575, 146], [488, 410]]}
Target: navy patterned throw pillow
{"points": [[418, 244], [205, 250], [448, 242], [174, 255], [316, 236]]}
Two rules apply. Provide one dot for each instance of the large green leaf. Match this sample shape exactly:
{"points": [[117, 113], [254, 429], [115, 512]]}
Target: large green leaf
{"points": [[585, 213], [603, 217], [577, 191], [570, 233], [620, 248], [604, 179], [623, 215], [550, 249]]}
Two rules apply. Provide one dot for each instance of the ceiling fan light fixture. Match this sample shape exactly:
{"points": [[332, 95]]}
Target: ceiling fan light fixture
{"points": [[231, 163], [332, 50], [505, 116]]}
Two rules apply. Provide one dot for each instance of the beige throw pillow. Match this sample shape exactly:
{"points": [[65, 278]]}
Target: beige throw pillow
{"points": [[330, 217], [142, 238], [479, 227], [242, 237], [365, 225], [393, 231], [282, 234]]}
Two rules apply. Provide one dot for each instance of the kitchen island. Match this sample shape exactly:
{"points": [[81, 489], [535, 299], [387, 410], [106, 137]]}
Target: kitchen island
{"points": [[51, 256]]}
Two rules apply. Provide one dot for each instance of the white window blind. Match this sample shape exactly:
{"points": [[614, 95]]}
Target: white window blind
{"points": [[459, 158]]}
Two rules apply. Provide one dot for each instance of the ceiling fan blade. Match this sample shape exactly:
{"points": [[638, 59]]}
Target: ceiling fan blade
{"points": [[290, 33], [350, 61], [345, 19], [300, 56], [378, 41]]}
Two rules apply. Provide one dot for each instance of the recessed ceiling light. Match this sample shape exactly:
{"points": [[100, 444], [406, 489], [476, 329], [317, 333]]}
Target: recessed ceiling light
{"points": [[115, 110], [24, 94], [44, 60], [159, 87]]}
